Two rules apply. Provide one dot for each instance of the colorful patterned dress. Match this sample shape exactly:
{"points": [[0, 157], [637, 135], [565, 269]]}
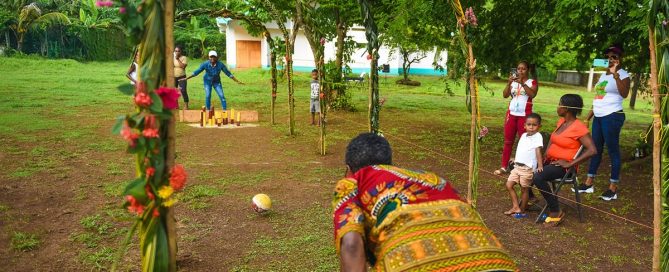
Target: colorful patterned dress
{"points": [[414, 221]]}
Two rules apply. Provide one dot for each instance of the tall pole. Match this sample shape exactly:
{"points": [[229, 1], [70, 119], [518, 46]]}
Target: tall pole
{"points": [[472, 130], [657, 199], [170, 222]]}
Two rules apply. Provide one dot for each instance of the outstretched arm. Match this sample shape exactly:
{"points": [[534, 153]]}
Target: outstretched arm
{"points": [[352, 257]]}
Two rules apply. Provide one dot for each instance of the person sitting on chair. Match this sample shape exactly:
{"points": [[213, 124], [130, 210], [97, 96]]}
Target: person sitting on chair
{"points": [[563, 145]]}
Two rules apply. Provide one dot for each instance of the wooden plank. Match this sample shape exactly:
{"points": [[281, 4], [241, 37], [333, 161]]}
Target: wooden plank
{"points": [[193, 116]]}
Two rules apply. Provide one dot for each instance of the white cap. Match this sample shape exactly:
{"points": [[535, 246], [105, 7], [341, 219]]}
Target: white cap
{"points": [[213, 53]]}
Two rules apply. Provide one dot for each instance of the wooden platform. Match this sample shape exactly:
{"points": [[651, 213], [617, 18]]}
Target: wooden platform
{"points": [[193, 116]]}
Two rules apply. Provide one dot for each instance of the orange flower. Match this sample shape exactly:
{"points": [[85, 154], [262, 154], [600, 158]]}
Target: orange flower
{"points": [[147, 188], [150, 133], [135, 207], [129, 135], [178, 177], [143, 100], [150, 171]]}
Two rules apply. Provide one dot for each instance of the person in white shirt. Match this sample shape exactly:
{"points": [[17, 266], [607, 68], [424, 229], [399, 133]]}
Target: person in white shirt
{"points": [[528, 160], [522, 90], [315, 102], [607, 109]]}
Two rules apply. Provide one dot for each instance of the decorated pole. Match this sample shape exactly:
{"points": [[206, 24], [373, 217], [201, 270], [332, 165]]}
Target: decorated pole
{"points": [[657, 186], [170, 221], [467, 22], [373, 44], [150, 133]]}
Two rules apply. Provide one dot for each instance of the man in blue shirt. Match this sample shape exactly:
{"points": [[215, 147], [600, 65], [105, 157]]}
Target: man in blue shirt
{"points": [[212, 78]]}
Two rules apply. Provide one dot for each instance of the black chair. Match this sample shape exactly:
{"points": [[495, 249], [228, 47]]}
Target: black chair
{"points": [[571, 178]]}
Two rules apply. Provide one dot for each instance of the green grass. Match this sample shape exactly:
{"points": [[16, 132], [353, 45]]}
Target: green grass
{"points": [[24, 241], [64, 115]]}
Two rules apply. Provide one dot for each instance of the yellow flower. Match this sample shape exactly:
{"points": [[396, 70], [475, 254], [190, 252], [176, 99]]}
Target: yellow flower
{"points": [[169, 202], [165, 192]]}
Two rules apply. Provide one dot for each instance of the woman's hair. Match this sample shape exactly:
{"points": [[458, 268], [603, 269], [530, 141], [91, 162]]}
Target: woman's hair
{"points": [[573, 103], [531, 68], [367, 149]]}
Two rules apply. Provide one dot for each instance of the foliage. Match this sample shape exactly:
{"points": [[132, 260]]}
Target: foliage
{"points": [[24, 241], [31, 18], [202, 31]]}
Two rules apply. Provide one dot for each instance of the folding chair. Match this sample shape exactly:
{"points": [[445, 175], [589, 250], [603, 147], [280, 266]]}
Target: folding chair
{"points": [[569, 177]]}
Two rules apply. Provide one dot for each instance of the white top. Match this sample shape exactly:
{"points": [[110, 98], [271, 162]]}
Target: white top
{"points": [[133, 75], [607, 98], [518, 105], [525, 152], [315, 86]]}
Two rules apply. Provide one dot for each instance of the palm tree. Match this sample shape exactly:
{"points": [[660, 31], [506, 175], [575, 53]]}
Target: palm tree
{"points": [[31, 17]]}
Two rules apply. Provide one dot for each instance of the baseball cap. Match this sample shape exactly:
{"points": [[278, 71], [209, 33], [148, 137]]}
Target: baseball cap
{"points": [[213, 53], [615, 48]]}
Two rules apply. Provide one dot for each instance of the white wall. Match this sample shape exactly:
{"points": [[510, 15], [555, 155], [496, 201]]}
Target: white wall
{"points": [[303, 56]]}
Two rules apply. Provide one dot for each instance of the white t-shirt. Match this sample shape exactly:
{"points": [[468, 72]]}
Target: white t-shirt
{"points": [[607, 98], [519, 99], [525, 152], [314, 89]]}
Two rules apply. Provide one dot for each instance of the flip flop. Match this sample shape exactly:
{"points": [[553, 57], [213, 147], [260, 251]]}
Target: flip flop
{"points": [[519, 215], [501, 171], [551, 222]]}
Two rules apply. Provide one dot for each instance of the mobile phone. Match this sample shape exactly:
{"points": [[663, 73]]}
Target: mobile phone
{"points": [[514, 72], [606, 63]]}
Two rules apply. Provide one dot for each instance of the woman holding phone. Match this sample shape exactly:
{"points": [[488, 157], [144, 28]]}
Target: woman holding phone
{"points": [[522, 90], [607, 110]]}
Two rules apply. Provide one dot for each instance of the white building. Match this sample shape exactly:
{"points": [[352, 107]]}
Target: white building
{"points": [[245, 51]]}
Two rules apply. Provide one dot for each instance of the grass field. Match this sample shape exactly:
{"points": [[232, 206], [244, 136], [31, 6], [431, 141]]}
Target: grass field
{"points": [[64, 173]]}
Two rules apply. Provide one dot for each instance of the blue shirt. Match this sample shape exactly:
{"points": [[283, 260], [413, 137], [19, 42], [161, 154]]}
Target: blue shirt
{"points": [[212, 73]]}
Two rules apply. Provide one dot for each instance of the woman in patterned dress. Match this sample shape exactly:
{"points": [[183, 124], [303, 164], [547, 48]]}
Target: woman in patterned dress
{"points": [[397, 219]]}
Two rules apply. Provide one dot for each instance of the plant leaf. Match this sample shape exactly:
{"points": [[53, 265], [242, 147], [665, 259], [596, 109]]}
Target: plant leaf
{"points": [[127, 89], [116, 128]]}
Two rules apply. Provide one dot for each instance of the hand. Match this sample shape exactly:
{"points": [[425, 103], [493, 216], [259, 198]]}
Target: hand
{"points": [[183, 79], [540, 169], [614, 67], [561, 163], [511, 79]]}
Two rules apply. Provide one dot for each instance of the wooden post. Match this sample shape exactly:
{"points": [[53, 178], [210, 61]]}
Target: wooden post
{"points": [[657, 200], [472, 132], [170, 222], [591, 76]]}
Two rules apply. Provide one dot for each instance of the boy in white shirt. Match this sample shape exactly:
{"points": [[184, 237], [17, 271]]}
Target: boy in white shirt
{"points": [[527, 160], [315, 103]]}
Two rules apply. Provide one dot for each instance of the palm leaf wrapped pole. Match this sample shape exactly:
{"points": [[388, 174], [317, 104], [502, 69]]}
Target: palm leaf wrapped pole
{"points": [[660, 51], [466, 23], [373, 45]]}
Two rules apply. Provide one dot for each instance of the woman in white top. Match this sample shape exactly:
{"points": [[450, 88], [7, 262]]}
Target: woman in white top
{"points": [[607, 109], [522, 90]]}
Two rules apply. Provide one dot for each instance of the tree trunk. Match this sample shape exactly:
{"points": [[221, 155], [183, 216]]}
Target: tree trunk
{"points": [[289, 75], [7, 40], [272, 61], [339, 58], [405, 65], [636, 81], [657, 124], [19, 42]]}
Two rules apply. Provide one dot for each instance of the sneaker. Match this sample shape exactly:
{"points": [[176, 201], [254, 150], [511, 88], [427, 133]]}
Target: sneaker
{"points": [[588, 189], [609, 195]]}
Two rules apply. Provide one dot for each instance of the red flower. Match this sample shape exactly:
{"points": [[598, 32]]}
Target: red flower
{"points": [[156, 213], [143, 100], [369, 57], [150, 171], [150, 127], [135, 207], [170, 97], [322, 41], [178, 177], [129, 135], [121, 10]]}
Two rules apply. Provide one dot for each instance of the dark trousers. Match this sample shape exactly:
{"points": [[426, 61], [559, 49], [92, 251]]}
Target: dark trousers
{"points": [[541, 180], [182, 85]]}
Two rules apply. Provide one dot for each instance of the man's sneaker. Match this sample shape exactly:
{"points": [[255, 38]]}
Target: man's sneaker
{"points": [[588, 189], [609, 195]]}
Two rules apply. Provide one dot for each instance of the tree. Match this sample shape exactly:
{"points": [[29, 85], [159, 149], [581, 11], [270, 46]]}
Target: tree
{"points": [[31, 18]]}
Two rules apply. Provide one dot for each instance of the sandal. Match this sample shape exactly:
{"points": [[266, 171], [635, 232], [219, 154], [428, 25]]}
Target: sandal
{"points": [[551, 222], [501, 171], [519, 215]]}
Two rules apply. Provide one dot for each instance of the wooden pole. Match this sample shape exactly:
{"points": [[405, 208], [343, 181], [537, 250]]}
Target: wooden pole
{"points": [[170, 222], [657, 200], [472, 129]]}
